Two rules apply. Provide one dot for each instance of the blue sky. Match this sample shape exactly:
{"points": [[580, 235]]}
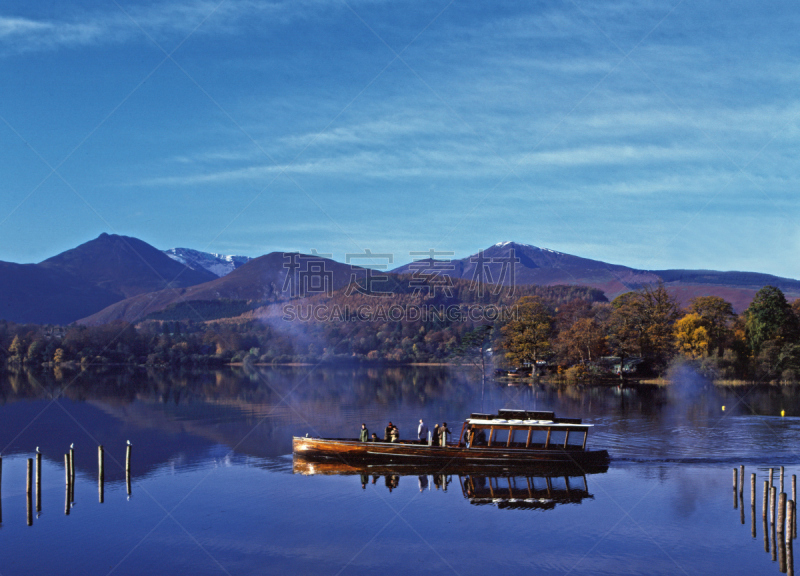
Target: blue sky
{"points": [[651, 134]]}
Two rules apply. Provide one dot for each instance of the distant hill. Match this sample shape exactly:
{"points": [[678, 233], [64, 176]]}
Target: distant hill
{"points": [[549, 267], [122, 278], [218, 264], [261, 280], [541, 266], [88, 278]]}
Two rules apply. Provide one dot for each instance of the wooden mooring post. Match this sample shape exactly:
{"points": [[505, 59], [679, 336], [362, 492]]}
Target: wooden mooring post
{"points": [[100, 473], [29, 491], [38, 481], [772, 495], [794, 499], [789, 519], [752, 490], [741, 508], [781, 479], [781, 523], [735, 486], [67, 476], [781, 555], [128, 467], [764, 501], [741, 479], [765, 528]]}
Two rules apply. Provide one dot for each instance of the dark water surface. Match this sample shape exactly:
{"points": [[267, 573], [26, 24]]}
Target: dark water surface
{"points": [[214, 491]]}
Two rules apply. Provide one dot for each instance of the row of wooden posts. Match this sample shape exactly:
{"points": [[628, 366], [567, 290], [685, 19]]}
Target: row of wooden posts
{"points": [[69, 472], [782, 514]]}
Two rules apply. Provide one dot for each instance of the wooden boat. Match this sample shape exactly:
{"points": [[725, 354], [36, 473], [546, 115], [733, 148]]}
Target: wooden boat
{"points": [[512, 437]]}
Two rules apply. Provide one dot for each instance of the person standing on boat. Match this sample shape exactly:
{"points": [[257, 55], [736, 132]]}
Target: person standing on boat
{"points": [[435, 440], [388, 432], [443, 432], [374, 437], [422, 432], [364, 436], [394, 434]]}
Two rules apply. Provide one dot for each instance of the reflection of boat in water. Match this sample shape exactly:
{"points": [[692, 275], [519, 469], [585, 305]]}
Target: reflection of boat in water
{"points": [[512, 437], [534, 486], [533, 491], [339, 467]]}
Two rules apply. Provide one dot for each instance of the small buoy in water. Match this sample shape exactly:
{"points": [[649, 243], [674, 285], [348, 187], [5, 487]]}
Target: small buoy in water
{"points": [[723, 408], [783, 413]]}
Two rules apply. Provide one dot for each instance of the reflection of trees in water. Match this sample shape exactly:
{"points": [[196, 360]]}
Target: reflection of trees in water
{"points": [[252, 392]]}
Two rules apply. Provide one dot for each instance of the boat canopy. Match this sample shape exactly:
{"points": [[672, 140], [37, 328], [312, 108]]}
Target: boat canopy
{"points": [[523, 429], [517, 423]]}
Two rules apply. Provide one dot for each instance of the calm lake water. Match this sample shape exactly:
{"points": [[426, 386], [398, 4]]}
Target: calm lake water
{"points": [[214, 491]]}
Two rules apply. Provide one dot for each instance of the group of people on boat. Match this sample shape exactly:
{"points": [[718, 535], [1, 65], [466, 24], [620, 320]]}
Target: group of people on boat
{"points": [[391, 434]]}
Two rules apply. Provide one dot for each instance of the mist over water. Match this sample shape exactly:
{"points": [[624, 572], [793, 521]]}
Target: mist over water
{"points": [[216, 447]]}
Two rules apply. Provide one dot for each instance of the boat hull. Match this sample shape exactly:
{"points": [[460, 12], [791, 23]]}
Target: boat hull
{"points": [[353, 451]]}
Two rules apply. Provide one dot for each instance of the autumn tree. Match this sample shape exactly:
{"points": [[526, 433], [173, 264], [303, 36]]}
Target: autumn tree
{"points": [[716, 315], [583, 341], [59, 356], [692, 336], [17, 347], [528, 336], [642, 323]]}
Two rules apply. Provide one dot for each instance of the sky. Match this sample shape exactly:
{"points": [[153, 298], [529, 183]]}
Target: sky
{"points": [[659, 134]]}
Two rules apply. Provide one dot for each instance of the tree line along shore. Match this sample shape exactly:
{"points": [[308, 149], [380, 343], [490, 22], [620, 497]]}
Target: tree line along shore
{"points": [[569, 335]]}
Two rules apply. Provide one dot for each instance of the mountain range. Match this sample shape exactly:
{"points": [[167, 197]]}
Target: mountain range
{"points": [[123, 278]]}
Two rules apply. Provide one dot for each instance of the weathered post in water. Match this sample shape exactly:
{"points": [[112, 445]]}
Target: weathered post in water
{"points": [[741, 479], [38, 481], [772, 494], [781, 555], [741, 508], [781, 478], [789, 558], [789, 519], [100, 473], [29, 491], [781, 512], [69, 482], [764, 501], [735, 479], [753, 490], [128, 467], [794, 499], [774, 547], [766, 534]]}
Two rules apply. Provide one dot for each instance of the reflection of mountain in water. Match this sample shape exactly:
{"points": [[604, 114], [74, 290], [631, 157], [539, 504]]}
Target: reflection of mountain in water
{"points": [[186, 417]]}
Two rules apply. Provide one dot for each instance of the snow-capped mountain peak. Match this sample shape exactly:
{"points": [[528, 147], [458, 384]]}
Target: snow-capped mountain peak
{"points": [[218, 264]]}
